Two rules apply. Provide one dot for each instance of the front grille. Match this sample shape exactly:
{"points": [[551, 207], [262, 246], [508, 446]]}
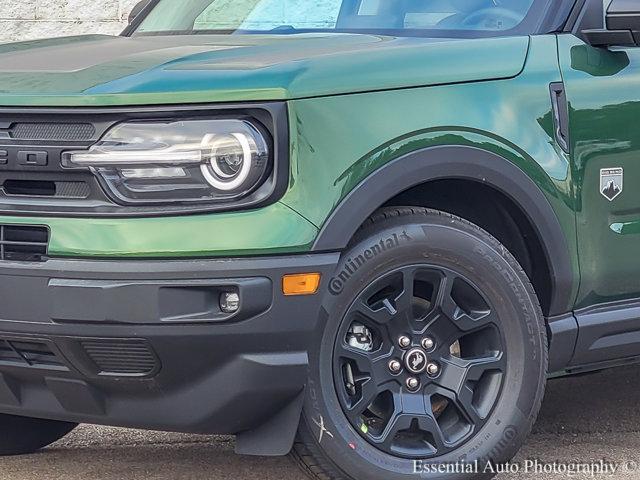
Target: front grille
{"points": [[29, 353], [64, 132], [121, 357], [45, 188], [23, 243]]}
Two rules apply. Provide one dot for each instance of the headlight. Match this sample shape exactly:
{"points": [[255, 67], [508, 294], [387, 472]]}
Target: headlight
{"points": [[185, 161]]}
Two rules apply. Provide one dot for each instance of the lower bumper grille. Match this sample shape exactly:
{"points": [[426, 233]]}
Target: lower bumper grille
{"points": [[111, 357], [122, 357], [29, 353], [23, 243]]}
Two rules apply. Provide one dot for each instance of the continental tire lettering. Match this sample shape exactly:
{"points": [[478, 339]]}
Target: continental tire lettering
{"points": [[352, 264]]}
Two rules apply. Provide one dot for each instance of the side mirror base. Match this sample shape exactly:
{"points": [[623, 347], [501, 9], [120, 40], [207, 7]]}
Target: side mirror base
{"points": [[610, 38], [621, 26]]}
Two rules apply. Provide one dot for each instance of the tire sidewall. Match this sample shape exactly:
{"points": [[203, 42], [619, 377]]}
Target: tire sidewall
{"points": [[448, 242]]}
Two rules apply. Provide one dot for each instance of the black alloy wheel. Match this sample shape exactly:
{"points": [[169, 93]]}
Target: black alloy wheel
{"points": [[419, 361]]}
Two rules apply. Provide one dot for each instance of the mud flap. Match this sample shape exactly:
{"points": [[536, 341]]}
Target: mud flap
{"points": [[275, 437]]}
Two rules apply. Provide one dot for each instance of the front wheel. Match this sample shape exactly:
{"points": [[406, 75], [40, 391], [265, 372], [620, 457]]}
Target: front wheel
{"points": [[431, 358]]}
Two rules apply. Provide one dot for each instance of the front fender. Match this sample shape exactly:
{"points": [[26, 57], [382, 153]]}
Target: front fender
{"points": [[456, 162], [499, 132]]}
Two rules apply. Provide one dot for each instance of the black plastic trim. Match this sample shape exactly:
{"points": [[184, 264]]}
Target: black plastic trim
{"points": [[275, 436], [608, 332], [167, 301], [270, 115], [558, 16], [562, 336], [250, 370], [574, 16], [560, 109], [149, 292], [137, 9], [456, 163], [607, 38], [598, 366], [594, 338], [139, 18], [589, 22], [623, 15]]}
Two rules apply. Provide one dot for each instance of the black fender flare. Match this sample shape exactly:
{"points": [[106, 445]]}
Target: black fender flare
{"points": [[456, 162]]}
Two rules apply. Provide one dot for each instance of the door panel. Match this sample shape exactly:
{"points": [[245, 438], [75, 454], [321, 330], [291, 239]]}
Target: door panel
{"points": [[603, 91]]}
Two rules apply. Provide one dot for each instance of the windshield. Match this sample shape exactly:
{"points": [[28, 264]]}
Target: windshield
{"points": [[396, 17]]}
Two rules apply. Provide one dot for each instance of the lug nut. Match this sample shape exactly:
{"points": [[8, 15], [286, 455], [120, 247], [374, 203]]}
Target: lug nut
{"points": [[428, 343], [433, 369], [413, 383], [404, 341], [395, 366]]}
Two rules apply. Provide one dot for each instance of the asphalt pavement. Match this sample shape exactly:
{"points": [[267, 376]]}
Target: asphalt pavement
{"points": [[585, 420]]}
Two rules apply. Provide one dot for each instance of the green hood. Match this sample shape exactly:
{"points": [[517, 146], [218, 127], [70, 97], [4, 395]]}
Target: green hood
{"points": [[102, 70]]}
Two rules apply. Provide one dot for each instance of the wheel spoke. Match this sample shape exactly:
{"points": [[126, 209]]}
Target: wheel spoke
{"points": [[428, 423], [370, 378], [369, 392], [382, 314], [475, 321], [360, 358], [395, 304], [396, 424], [456, 371], [463, 320], [443, 331], [457, 374], [404, 301], [412, 409], [372, 363], [418, 406]]}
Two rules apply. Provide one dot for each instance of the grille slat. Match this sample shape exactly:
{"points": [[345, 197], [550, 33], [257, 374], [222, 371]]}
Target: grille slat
{"points": [[23, 243]]}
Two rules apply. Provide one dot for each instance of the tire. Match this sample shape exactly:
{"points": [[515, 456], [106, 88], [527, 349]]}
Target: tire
{"points": [[491, 336], [23, 435]]}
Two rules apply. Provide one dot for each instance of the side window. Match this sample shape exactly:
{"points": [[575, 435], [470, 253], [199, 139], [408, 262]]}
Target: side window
{"points": [[268, 14]]}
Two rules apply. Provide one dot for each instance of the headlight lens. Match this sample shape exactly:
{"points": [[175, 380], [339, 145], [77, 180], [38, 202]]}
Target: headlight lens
{"points": [[228, 164], [186, 161]]}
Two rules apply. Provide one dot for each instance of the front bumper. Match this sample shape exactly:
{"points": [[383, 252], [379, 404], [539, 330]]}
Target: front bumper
{"points": [[144, 344]]}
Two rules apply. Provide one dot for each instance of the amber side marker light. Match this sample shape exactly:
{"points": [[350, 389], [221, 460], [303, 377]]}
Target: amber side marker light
{"points": [[300, 284]]}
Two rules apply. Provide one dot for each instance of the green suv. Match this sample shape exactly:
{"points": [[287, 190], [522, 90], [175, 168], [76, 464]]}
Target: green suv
{"points": [[365, 231]]}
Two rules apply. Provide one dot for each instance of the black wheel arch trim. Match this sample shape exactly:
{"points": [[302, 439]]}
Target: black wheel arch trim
{"points": [[457, 162]]}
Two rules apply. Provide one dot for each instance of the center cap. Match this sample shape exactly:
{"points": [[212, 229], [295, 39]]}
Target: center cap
{"points": [[416, 361]]}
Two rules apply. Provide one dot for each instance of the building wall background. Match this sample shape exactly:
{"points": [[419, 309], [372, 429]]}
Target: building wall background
{"points": [[29, 19]]}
